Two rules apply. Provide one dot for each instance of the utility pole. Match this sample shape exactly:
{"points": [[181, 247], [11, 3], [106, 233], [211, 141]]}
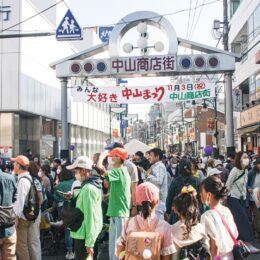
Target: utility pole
{"points": [[228, 87]]}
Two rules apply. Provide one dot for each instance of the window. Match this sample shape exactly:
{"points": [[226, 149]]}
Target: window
{"points": [[253, 24], [234, 5], [257, 20]]}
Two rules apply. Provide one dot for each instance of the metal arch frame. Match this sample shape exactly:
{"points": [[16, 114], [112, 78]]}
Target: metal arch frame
{"points": [[132, 20]]}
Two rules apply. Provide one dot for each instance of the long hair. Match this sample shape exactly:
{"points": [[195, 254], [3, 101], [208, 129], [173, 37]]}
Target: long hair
{"points": [[187, 207]]}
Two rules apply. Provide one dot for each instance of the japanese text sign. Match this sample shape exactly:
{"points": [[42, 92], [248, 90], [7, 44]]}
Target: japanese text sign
{"points": [[141, 95]]}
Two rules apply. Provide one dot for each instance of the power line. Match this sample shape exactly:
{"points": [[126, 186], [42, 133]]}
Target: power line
{"points": [[154, 17], [94, 26], [194, 14], [188, 21], [31, 17], [203, 4]]}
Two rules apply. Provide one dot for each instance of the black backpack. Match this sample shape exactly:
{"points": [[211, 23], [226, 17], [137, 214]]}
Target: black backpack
{"points": [[31, 207], [71, 216], [196, 251]]}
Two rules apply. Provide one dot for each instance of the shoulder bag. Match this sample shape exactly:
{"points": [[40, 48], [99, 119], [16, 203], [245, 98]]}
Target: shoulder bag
{"points": [[240, 250]]}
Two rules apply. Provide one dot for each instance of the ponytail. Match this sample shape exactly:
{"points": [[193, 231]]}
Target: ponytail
{"points": [[146, 209]]}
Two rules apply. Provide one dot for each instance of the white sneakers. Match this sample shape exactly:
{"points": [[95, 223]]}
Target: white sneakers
{"points": [[70, 255]]}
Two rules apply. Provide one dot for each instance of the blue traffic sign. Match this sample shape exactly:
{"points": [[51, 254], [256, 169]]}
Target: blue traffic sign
{"points": [[104, 33], [68, 28]]}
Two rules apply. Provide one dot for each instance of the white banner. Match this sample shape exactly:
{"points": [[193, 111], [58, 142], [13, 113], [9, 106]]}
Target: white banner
{"points": [[141, 95]]}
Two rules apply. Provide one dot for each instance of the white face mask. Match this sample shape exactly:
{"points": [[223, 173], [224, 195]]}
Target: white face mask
{"points": [[58, 171], [110, 161], [245, 162], [174, 166], [39, 174], [78, 177]]}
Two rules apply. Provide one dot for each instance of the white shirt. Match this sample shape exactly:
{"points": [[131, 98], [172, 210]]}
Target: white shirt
{"points": [[197, 233], [23, 188], [216, 230], [238, 188]]}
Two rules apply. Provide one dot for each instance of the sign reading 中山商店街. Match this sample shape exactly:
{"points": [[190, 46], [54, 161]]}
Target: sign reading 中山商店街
{"points": [[140, 95], [5, 11]]}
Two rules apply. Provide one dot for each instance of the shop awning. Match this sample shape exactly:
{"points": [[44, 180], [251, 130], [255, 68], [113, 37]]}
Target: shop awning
{"points": [[249, 129]]}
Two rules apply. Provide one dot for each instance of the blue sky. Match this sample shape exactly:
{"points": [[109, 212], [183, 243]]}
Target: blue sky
{"points": [[104, 12]]}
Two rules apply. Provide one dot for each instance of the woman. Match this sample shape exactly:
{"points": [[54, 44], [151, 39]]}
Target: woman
{"points": [[185, 178], [196, 172], [188, 232], [213, 192], [147, 196], [236, 201], [43, 175]]}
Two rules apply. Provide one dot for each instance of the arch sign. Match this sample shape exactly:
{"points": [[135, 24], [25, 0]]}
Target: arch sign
{"points": [[170, 64]]}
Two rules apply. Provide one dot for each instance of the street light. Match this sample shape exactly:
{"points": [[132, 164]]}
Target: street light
{"points": [[142, 42]]}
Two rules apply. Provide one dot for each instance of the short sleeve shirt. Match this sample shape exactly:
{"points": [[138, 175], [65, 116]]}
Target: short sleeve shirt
{"points": [[132, 170], [120, 194]]}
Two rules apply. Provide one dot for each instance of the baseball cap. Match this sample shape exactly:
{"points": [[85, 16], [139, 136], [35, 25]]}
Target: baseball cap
{"points": [[81, 162], [218, 162], [21, 159], [114, 145], [147, 192], [118, 152], [214, 171]]}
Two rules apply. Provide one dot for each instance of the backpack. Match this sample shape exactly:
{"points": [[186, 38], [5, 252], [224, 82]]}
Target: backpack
{"points": [[31, 207], [143, 245], [196, 251], [71, 216]]}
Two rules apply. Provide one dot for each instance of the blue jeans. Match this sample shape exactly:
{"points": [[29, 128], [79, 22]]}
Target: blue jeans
{"points": [[68, 240], [115, 230]]}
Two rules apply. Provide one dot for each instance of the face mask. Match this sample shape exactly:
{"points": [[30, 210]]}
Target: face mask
{"points": [[39, 174], [174, 166], [110, 161], [58, 171], [245, 162], [78, 177]]}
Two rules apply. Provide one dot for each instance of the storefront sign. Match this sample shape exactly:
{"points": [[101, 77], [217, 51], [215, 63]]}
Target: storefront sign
{"points": [[115, 133], [192, 134], [237, 100], [210, 126], [140, 95], [5, 11], [6, 151], [250, 116]]}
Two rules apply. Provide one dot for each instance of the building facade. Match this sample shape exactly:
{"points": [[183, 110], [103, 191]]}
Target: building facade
{"points": [[30, 96], [244, 36]]}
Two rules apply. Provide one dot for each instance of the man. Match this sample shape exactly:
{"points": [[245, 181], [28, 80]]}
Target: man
{"points": [[142, 163], [7, 198], [133, 172], [230, 161], [157, 175], [120, 196], [89, 202], [24, 227], [56, 170], [172, 169]]}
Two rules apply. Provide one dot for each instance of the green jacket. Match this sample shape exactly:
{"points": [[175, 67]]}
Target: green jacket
{"points": [[89, 202], [63, 186]]}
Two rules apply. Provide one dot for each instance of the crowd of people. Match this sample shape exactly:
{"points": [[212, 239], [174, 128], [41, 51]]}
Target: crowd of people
{"points": [[148, 206]]}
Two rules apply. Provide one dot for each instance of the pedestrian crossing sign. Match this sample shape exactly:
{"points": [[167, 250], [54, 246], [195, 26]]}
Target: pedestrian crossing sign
{"points": [[68, 28]]}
